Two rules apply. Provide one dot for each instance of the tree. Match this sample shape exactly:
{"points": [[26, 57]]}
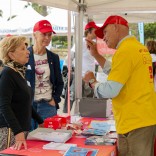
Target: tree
{"points": [[41, 9], [134, 29], [1, 13], [60, 40], [13, 16], [150, 31]]}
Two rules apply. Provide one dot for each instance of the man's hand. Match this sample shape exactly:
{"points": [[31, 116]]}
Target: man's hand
{"points": [[90, 79], [88, 76], [41, 125], [92, 46], [52, 102]]}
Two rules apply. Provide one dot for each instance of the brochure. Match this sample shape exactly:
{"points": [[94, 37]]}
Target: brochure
{"points": [[79, 151], [58, 146], [112, 135], [98, 140], [107, 125], [92, 132]]}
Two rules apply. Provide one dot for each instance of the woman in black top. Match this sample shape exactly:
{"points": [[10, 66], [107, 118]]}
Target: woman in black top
{"points": [[15, 94]]}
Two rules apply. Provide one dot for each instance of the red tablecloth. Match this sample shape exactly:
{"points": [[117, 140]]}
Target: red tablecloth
{"points": [[35, 147]]}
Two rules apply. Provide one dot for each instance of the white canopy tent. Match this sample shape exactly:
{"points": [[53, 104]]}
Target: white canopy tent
{"points": [[59, 20], [59, 17], [24, 22], [21, 24], [133, 10]]}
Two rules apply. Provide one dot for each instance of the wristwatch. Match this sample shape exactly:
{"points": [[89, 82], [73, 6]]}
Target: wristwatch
{"points": [[91, 81]]}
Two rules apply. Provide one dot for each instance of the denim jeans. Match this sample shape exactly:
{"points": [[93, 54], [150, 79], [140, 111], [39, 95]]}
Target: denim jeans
{"points": [[44, 109]]}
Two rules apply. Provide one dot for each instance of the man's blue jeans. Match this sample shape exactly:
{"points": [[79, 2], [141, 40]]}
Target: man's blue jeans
{"points": [[44, 109]]}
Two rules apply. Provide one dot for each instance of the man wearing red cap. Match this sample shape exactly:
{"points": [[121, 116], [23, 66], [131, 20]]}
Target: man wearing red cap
{"points": [[88, 63], [130, 85], [44, 73]]}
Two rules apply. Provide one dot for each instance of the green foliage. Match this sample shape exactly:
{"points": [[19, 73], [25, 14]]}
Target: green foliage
{"points": [[59, 42], [150, 31], [41, 9], [13, 16], [1, 13], [134, 30]]}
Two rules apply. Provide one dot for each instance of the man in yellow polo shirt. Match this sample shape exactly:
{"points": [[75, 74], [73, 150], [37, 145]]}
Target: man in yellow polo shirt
{"points": [[130, 85]]}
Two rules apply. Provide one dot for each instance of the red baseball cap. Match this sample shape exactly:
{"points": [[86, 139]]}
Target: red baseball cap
{"points": [[91, 25], [111, 20], [43, 26], [8, 35]]}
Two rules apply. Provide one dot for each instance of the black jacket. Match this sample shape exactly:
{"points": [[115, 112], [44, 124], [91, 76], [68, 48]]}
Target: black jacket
{"points": [[15, 102], [55, 74]]}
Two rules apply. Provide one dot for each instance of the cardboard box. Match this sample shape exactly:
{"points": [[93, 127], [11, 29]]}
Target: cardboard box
{"points": [[95, 108]]}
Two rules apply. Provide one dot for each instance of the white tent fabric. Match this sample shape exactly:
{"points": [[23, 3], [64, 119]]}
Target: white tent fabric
{"points": [[2, 20], [58, 17], [59, 20], [21, 24], [98, 10], [3, 26], [24, 22]]}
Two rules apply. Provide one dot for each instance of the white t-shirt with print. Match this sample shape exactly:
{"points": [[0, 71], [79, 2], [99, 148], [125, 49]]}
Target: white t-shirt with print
{"points": [[88, 61], [43, 86]]}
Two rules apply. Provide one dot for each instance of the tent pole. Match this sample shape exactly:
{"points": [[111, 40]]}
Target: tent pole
{"points": [[78, 57], [69, 58]]}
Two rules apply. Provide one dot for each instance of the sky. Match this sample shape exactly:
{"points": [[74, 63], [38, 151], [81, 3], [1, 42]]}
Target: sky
{"points": [[11, 7]]}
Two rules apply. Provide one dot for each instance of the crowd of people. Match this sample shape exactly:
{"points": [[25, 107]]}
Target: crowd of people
{"points": [[31, 84]]}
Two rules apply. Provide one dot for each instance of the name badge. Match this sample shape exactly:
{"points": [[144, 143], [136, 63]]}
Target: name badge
{"points": [[28, 83], [29, 67]]}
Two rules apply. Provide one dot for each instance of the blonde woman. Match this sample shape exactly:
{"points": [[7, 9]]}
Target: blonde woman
{"points": [[15, 94]]}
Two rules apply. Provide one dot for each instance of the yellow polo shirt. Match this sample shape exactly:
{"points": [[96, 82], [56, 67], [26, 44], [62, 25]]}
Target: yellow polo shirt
{"points": [[135, 106]]}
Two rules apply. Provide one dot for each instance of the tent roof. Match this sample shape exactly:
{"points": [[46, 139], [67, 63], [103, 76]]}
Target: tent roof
{"points": [[98, 10], [59, 17], [24, 22], [21, 24], [27, 18], [62, 4]]}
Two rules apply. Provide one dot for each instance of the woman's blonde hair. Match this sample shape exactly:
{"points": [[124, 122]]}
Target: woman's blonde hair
{"points": [[9, 44]]}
